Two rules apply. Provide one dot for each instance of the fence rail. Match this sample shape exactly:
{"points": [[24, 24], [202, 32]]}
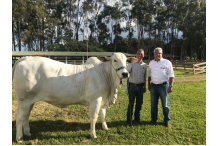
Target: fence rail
{"points": [[201, 68], [182, 64], [77, 58]]}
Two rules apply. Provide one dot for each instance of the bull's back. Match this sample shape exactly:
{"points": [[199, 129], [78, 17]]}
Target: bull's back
{"points": [[55, 82], [36, 68], [32, 73]]}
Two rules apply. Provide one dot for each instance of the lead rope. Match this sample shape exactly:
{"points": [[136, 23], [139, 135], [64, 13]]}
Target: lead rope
{"points": [[123, 83]]}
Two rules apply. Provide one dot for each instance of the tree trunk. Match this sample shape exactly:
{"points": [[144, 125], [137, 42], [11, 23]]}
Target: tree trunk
{"points": [[191, 50], [129, 38], [42, 37], [138, 33], [115, 43], [171, 51], [13, 35], [149, 44], [77, 35], [77, 23], [19, 38], [181, 52]]}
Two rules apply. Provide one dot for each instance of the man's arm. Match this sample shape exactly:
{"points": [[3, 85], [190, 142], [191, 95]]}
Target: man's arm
{"points": [[170, 89], [145, 76], [149, 81]]}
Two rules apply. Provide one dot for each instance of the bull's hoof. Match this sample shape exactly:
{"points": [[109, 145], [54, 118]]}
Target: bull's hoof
{"points": [[104, 126], [19, 139], [93, 135], [27, 134]]}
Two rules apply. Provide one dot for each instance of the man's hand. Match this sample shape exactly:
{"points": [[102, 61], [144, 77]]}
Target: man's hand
{"points": [[148, 87], [169, 90]]}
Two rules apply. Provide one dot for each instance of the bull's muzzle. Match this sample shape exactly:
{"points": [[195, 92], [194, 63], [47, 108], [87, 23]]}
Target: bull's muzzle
{"points": [[124, 74]]}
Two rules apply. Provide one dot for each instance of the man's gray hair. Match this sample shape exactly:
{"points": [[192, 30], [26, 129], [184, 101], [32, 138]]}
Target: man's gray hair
{"points": [[140, 50], [158, 48]]}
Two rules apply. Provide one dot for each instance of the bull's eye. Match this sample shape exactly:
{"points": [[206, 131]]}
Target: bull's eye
{"points": [[115, 61]]}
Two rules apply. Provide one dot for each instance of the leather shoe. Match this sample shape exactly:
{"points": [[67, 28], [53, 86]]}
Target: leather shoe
{"points": [[168, 125], [129, 123], [139, 122]]}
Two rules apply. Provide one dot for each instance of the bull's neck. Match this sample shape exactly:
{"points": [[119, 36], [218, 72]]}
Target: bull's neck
{"points": [[112, 80], [108, 68], [115, 75]]}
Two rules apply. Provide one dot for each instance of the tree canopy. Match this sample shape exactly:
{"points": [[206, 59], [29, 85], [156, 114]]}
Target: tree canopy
{"points": [[178, 26]]}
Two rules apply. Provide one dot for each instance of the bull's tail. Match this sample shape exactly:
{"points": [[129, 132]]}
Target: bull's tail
{"points": [[13, 69]]}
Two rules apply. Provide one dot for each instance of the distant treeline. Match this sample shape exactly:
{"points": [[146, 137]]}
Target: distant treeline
{"points": [[57, 25]]}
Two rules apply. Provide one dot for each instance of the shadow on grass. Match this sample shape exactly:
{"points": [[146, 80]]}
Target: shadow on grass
{"points": [[37, 127]]}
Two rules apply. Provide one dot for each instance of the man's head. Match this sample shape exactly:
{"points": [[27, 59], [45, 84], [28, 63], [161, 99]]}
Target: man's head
{"points": [[158, 52], [140, 55]]}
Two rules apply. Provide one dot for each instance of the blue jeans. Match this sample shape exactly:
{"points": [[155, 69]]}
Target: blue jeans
{"points": [[135, 91], [156, 92]]}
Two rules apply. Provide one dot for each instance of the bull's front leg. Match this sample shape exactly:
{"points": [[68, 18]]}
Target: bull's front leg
{"points": [[102, 115], [94, 108]]}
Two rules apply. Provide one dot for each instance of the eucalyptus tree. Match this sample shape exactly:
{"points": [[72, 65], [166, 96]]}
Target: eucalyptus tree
{"points": [[202, 26], [159, 20], [142, 12], [190, 25], [54, 23], [112, 15], [98, 6], [102, 31], [18, 16], [182, 13], [130, 21], [171, 22], [149, 26]]}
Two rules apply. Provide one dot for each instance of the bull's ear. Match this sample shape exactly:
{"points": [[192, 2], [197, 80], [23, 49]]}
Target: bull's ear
{"points": [[131, 59], [104, 59]]}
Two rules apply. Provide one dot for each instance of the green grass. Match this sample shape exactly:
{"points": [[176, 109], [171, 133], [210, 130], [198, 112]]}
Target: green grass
{"points": [[179, 73], [53, 126], [187, 75]]}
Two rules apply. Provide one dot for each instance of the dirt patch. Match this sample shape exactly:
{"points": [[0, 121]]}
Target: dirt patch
{"points": [[186, 80]]}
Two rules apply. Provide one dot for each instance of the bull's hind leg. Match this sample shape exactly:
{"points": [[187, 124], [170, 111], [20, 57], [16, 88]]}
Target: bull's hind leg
{"points": [[94, 108], [102, 115], [22, 119], [26, 126]]}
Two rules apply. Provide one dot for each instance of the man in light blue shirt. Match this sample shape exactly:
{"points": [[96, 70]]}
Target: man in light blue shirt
{"points": [[137, 86]]}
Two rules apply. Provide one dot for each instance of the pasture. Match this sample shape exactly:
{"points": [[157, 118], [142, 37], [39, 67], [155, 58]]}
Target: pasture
{"points": [[54, 126]]}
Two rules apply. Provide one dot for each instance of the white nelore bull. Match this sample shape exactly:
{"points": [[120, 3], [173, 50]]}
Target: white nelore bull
{"points": [[42, 79]]}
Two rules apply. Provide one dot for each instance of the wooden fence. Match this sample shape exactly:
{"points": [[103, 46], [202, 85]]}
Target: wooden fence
{"points": [[199, 68], [182, 64], [81, 57], [66, 57]]}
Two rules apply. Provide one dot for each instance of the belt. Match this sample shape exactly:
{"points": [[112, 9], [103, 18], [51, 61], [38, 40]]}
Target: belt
{"points": [[141, 84], [164, 83]]}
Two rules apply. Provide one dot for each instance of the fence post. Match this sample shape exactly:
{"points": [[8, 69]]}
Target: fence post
{"points": [[184, 64], [66, 59], [83, 60], [176, 64], [193, 69]]}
